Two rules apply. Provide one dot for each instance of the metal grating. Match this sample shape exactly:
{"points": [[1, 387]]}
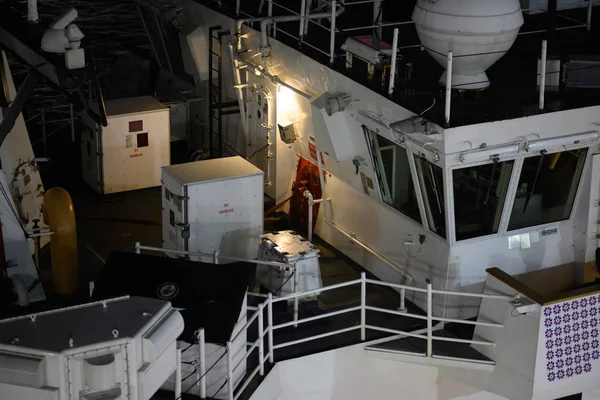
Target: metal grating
{"points": [[441, 349]]}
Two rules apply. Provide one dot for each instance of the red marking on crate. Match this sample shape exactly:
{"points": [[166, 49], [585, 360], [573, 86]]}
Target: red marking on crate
{"points": [[226, 209], [136, 155]]}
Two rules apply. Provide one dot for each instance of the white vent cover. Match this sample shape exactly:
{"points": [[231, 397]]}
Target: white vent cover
{"points": [[478, 32]]}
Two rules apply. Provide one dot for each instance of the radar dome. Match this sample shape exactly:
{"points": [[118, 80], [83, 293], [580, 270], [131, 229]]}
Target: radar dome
{"points": [[478, 32]]}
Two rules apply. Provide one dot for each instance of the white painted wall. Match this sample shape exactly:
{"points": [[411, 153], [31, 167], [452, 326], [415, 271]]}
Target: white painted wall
{"points": [[351, 373], [20, 170], [453, 266]]}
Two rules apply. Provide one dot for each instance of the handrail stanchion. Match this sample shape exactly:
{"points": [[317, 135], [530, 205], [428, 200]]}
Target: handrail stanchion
{"points": [[296, 291], [543, 61], [229, 372], [429, 319], [137, 247], [270, 326], [302, 17], [448, 88], [393, 67], [589, 15], [178, 373], [311, 204], [202, 369], [333, 29], [402, 307], [261, 339], [363, 305]]}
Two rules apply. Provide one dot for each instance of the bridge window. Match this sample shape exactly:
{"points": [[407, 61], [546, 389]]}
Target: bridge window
{"points": [[393, 173], [479, 196], [547, 188], [431, 180]]}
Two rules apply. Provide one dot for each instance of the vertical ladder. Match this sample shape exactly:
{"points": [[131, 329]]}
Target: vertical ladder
{"points": [[217, 107]]}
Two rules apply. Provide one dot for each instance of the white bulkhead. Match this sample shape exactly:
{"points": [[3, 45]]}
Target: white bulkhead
{"points": [[444, 204]]}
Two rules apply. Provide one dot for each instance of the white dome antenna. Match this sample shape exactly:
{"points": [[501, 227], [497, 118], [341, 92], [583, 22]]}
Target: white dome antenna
{"points": [[478, 32]]}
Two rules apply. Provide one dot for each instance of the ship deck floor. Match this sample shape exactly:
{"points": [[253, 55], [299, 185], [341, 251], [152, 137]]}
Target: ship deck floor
{"points": [[118, 221]]}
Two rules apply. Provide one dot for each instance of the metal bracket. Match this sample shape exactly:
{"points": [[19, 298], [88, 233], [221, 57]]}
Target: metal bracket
{"points": [[185, 231], [15, 108]]}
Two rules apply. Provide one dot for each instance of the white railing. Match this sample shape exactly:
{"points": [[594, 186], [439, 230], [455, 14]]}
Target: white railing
{"points": [[267, 332], [305, 21]]}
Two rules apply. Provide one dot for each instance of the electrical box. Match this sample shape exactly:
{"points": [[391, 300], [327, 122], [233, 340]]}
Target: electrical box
{"points": [[213, 207], [290, 248], [118, 349], [287, 133], [129, 152]]}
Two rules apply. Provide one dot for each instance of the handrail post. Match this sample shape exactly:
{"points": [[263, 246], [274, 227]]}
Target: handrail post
{"points": [[363, 305], [229, 372], [394, 62], [261, 339], [543, 61], [302, 17], [402, 307], [429, 319], [202, 369], [448, 88], [137, 247], [589, 15], [333, 28], [270, 326], [296, 291], [178, 373], [311, 205]]}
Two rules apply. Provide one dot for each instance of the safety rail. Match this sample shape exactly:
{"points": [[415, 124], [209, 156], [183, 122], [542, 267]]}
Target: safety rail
{"points": [[303, 16], [266, 329]]}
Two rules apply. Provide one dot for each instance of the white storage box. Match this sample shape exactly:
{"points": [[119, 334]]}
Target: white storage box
{"points": [[123, 348], [128, 153], [292, 249], [213, 206]]}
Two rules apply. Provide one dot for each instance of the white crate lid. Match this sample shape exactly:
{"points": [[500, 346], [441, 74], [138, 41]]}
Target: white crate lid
{"points": [[86, 324], [211, 170], [133, 105], [289, 245]]}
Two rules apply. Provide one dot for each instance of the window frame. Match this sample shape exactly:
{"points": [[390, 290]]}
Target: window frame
{"points": [[368, 133], [445, 179], [512, 192], [586, 166], [505, 215]]}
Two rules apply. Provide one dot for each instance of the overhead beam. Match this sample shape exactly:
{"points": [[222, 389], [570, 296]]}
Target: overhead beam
{"points": [[16, 106]]}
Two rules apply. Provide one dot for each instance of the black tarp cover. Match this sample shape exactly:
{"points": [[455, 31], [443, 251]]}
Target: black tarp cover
{"points": [[211, 295]]}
